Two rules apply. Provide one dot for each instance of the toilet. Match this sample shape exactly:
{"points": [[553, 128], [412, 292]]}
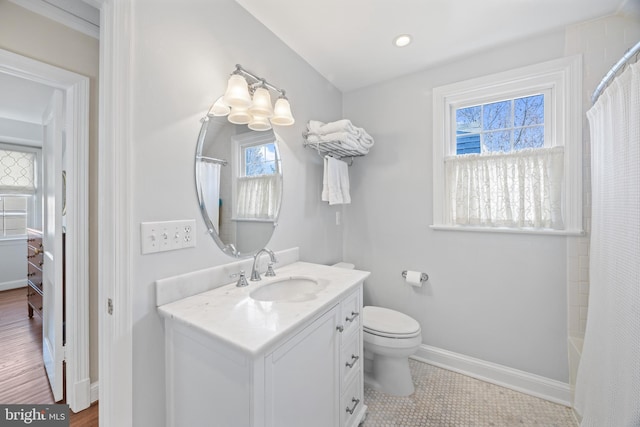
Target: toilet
{"points": [[390, 337]]}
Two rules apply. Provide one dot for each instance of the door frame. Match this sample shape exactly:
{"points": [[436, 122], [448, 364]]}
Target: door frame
{"points": [[114, 223], [75, 89]]}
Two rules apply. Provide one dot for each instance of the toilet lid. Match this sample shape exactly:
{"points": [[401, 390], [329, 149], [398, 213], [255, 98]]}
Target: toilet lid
{"points": [[386, 322]]}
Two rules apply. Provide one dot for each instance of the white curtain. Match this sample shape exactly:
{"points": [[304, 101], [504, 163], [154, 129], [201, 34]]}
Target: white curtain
{"points": [[258, 197], [608, 382], [518, 189], [210, 179]]}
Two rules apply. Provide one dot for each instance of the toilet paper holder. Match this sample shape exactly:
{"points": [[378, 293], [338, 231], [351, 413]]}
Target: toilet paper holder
{"points": [[423, 276]]}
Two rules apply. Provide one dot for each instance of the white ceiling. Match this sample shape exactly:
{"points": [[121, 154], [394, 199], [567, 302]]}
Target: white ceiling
{"points": [[22, 99], [350, 41]]}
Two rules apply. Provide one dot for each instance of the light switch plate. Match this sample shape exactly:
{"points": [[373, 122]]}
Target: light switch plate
{"points": [[167, 235]]}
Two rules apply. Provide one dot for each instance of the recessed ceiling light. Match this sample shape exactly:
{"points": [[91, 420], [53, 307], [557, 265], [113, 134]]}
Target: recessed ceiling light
{"points": [[402, 40]]}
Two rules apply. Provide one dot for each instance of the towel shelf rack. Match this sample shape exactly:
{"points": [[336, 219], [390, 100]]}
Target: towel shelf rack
{"points": [[332, 148]]}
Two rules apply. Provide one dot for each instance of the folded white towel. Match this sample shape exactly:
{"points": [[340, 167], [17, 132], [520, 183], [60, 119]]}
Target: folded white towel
{"points": [[314, 126], [335, 183]]}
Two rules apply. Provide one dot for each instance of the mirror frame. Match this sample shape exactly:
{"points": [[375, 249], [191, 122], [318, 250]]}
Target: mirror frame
{"points": [[229, 248]]}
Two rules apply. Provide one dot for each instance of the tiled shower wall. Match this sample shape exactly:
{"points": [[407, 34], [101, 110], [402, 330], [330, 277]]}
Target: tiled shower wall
{"points": [[602, 43]]}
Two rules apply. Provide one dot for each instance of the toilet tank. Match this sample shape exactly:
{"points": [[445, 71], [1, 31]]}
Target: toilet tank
{"points": [[346, 265]]}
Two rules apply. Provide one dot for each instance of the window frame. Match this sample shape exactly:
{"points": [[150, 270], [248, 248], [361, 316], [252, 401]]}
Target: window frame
{"points": [[563, 78], [239, 142]]}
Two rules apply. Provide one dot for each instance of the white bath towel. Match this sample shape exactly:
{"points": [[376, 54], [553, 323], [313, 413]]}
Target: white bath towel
{"points": [[335, 183]]}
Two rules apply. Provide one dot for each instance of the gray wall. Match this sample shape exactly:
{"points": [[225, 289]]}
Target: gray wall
{"points": [[496, 297], [182, 57]]}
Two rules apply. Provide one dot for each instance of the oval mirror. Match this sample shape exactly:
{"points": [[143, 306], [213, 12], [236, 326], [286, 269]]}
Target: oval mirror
{"points": [[238, 175]]}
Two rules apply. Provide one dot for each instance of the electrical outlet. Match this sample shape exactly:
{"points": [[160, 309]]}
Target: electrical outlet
{"points": [[167, 235]]}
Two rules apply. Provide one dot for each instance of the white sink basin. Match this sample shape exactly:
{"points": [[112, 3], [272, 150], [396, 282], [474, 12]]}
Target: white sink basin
{"points": [[292, 289]]}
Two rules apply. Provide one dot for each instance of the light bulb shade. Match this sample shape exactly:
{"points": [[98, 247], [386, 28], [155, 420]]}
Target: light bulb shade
{"points": [[261, 103], [239, 116], [219, 108], [259, 123], [237, 94], [282, 113]]}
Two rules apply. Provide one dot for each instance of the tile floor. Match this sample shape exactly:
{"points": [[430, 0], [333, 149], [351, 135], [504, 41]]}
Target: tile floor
{"points": [[447, 399]]}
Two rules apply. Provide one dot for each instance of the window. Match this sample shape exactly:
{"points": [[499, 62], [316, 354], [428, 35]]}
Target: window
{"points": [[258, 184], [507, 151], [502, 126], [17, 186], [259, 159], [17, 172], [13, 215]]}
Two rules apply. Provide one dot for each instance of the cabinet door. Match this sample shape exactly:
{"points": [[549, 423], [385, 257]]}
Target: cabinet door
{"points": [[302, 377]]}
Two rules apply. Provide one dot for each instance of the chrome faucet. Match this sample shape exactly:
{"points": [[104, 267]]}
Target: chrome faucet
{"points": [[242, 280], [255, 274]]}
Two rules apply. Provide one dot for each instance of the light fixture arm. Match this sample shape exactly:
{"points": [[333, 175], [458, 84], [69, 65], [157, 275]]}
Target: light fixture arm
{"points": [[258, 81]]}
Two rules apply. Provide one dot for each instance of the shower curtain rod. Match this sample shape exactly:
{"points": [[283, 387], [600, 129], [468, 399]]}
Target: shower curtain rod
{"points": [[635, 50]]}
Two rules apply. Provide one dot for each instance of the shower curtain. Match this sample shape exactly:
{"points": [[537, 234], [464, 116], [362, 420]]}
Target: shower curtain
{"points": [[210, 177], [608, 382]]}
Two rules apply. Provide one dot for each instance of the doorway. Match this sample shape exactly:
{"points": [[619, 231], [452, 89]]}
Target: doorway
{"points": [[74, 92]]}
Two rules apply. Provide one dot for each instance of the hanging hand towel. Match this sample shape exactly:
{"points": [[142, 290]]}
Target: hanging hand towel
{"points": [[335, 188]]}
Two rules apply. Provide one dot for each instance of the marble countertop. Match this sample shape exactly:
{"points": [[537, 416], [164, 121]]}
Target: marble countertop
{"points": [[231, 316]]}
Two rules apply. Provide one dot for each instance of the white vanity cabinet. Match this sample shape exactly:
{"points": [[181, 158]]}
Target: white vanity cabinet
{"points": [[312, 375]]}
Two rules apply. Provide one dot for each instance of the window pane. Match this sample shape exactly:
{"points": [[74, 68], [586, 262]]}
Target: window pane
{"points": [[497, 141], [529, 111], [468, 126], [497, 115], [468, 119], [260, 160], [531, 137]]}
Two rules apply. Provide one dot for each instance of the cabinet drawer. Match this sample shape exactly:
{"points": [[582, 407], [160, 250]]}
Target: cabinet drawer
{"points": [[352, 405], [351, 309], [34, 274], [350, 359], [34, 299], [34, 255]]}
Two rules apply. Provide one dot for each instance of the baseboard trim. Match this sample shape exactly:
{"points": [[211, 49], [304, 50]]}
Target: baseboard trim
{"points": [[14, 284], [524, 382], [94, 391]]}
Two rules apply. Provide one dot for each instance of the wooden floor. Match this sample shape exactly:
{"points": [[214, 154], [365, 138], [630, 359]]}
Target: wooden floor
{"points": [[22, 375]]}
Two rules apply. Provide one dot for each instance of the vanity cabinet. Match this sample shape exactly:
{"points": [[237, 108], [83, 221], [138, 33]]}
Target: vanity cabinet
{"points": [[312, 375]]}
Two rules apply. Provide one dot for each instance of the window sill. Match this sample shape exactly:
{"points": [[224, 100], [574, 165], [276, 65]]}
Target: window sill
{"points": [[548, 232]]}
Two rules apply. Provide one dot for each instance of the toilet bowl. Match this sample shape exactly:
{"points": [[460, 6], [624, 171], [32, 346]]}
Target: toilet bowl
{"points": [[390, 337]]}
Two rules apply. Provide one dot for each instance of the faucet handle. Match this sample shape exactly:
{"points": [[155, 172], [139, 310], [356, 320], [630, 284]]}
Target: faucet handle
{"points": [[242, 280], [270, 272]]}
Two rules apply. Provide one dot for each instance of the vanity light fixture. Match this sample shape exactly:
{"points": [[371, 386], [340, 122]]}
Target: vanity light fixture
{"points": [[247, 100], [402, 40]]}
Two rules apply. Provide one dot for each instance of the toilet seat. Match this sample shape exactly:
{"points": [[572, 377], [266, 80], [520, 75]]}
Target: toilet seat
{"points": [[388, 323]]}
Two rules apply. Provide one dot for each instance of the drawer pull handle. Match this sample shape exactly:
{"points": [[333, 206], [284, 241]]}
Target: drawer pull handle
{"points": [[31, 274], [354, 359], [354, 314], [339, 328], [355, 401]]}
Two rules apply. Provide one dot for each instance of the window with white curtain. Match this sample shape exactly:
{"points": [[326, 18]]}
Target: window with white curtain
{"points": [[17, 186], [507, 151], [258, 182]]}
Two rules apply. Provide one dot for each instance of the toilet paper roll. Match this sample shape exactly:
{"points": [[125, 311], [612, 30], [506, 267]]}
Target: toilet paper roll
{"points": [[413, 278]]}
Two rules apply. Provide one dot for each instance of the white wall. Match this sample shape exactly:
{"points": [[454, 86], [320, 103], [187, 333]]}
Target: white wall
{"points": [[13, 263], [496, 297], [182, 57]]}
